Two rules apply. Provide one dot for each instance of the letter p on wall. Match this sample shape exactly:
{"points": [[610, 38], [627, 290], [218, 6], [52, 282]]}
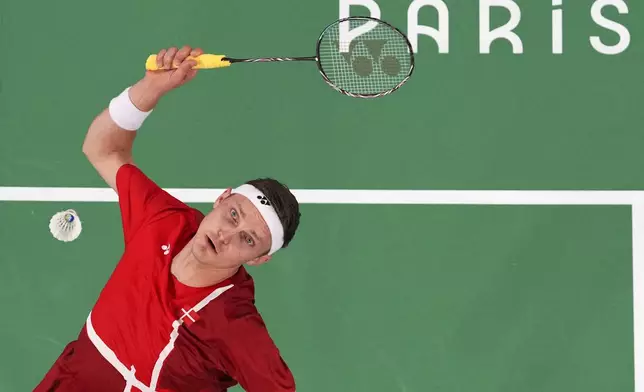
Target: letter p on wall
{"points": [[346, 33]]}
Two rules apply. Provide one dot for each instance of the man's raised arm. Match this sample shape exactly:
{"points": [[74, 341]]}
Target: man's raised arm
{"points": [[109, 140]]}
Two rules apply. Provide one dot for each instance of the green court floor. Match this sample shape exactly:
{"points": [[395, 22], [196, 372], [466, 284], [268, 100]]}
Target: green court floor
{"points": [[369, 297]]}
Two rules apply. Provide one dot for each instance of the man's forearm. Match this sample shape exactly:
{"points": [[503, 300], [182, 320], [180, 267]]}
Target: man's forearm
{"points": [[144, 96], [109, 139], [105, 137], [107, 145]]}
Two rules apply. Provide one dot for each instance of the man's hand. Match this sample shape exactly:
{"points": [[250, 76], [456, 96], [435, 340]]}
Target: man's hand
{"points": [[146, 93], [167, 78]]}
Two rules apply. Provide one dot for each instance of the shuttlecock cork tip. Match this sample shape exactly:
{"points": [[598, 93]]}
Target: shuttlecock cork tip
{"points": [[65, 225]]}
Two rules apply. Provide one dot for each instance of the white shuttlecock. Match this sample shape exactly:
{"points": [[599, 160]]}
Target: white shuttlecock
{"points": [[65, 226]]}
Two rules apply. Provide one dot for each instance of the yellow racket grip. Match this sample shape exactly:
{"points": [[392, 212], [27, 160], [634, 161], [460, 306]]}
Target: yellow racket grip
{"points": [[204, 61]]}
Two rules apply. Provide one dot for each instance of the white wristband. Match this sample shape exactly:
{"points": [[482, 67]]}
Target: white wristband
{"points": [[125, 114]]}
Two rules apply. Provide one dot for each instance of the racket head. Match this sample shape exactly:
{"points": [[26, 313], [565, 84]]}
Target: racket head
{"points": [[372, 64]]}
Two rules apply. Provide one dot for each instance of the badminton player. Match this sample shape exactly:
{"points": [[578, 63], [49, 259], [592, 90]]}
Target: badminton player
{"points": [[178, 312]]}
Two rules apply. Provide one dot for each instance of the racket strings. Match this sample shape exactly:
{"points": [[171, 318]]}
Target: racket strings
{"points": [[373, 63]]}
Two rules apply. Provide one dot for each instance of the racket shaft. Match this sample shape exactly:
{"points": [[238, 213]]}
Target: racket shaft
{"points": [[270, 59], [204, 61]]}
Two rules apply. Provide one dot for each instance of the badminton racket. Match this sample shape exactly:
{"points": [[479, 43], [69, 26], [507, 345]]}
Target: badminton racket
{"points": [[358, 56]]}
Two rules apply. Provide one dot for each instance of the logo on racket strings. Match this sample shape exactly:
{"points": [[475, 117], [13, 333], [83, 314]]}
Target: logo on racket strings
{"points": [[365, 55]]}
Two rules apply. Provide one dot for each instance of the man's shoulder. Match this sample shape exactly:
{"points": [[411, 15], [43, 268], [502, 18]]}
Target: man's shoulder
{"points": [[144, 196], [176, 215]]}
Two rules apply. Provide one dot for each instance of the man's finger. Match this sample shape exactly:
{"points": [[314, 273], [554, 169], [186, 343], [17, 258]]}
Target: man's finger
{"points": [[169, 57], [184, 73], [185, 68], [196, 52], [160, 58], [181, 55]]}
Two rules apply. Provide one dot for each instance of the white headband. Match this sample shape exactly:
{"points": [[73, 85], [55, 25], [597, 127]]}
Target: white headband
{"points": [[268, 213]]}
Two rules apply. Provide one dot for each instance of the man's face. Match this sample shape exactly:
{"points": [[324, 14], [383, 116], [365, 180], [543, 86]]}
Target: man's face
{"points": [[232, 234]]}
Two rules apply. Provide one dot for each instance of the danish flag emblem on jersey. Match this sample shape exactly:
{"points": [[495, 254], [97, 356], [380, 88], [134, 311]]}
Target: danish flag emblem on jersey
{"points": [[189, 317]]}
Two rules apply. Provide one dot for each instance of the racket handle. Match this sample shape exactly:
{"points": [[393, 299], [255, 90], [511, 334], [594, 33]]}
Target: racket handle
{"points": [[204, 61]]}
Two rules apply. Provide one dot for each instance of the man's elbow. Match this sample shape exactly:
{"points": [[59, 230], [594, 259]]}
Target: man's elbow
{"points": [[101, 158], [87, 150], [93, 153], [98, 149]]}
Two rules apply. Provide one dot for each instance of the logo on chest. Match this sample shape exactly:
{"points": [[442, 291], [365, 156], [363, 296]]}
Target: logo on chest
{"points": [[165, 249]]}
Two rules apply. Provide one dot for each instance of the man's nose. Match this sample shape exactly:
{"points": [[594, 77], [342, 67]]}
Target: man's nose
{"points": [[224, 236]]}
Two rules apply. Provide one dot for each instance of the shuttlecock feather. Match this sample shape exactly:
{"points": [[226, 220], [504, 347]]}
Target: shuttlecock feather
{"points": [[65, 225]]}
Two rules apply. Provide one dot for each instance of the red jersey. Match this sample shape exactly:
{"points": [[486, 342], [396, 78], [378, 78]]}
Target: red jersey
{"points": [[149, 332]]}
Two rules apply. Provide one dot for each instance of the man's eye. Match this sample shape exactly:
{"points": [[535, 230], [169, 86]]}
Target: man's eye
{"points": [[233, 213], [249, 241]]}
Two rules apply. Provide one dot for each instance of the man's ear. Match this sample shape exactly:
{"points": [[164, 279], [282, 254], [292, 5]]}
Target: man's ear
{"points": [[223, 196], [259, 261]]}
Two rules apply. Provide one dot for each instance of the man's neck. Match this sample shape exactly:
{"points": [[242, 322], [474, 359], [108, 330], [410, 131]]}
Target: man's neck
{"points": [[189, 271]]}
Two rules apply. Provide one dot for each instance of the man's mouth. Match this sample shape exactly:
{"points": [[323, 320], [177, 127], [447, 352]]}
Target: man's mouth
{"points": [[211, 243]]}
